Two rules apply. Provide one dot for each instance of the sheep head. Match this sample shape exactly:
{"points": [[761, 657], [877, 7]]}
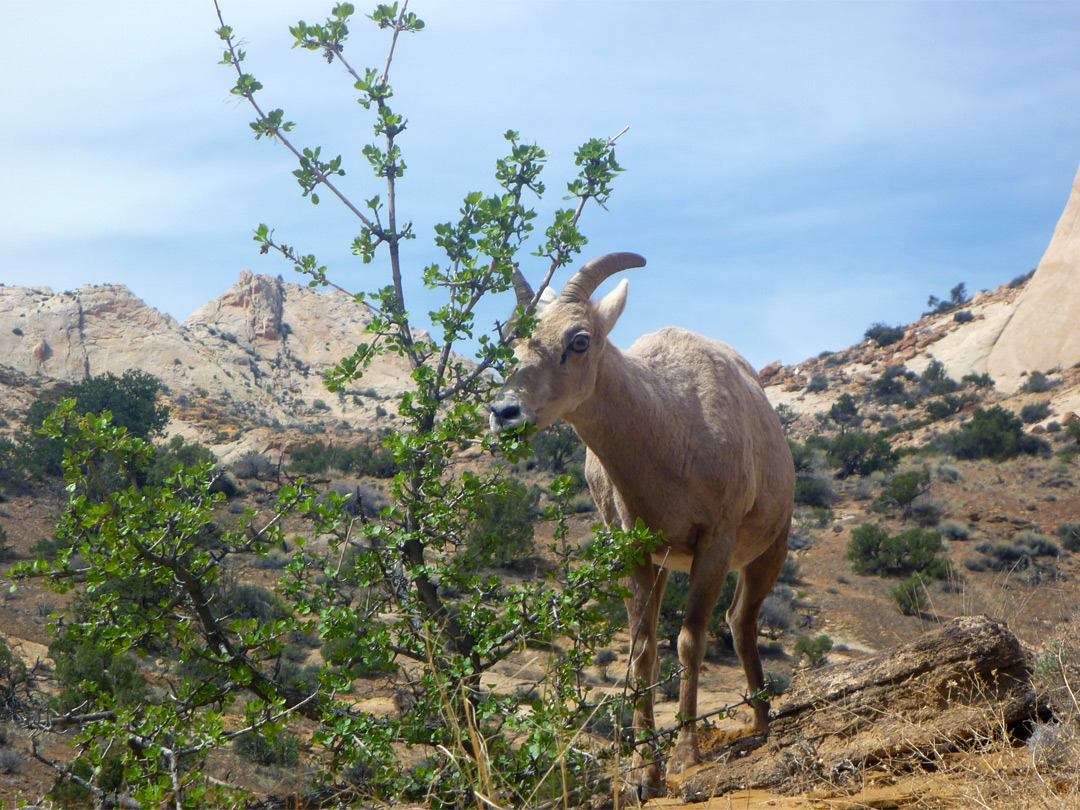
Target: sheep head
{"points": [[557, 365]]}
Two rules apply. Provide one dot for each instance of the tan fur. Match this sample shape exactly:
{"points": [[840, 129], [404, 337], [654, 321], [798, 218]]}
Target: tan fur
{"points": [[680, 434]]}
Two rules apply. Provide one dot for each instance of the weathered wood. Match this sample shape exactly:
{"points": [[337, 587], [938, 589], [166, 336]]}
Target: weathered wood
{"points": [[967, 679]]}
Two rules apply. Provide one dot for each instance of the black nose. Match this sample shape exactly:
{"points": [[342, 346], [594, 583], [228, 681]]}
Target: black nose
{"points": [[506, 411]]}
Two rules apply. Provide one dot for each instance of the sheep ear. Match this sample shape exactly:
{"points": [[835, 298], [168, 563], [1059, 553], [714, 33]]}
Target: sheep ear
{"points": [[611, 306]]}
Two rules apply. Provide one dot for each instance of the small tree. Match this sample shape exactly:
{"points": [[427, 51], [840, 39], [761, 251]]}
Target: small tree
{"points": [[903, 489], [391, 589], [861, 454], [844, 412]]}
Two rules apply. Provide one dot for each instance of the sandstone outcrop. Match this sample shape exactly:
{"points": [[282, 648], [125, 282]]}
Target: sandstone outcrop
{"points": [[1044, 331], [259, 351]]}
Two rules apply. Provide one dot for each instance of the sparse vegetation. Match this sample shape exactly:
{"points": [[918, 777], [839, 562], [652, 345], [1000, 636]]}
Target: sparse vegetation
{"points": [[1036, 383], [814, 650], [884, 335]]}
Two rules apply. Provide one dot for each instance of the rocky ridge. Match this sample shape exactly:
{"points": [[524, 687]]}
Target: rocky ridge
{"points": [[243, 373]]}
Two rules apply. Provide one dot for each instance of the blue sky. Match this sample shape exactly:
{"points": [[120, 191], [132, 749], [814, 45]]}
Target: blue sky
{"points": [[795, 172]]}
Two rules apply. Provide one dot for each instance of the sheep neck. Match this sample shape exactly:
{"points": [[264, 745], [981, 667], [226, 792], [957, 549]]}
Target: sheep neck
{"points": [[623, 416]]}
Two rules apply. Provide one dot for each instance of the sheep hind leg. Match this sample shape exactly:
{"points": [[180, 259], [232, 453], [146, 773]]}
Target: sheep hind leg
{"points": [[755, 582], [647, 585], [707, 577]]}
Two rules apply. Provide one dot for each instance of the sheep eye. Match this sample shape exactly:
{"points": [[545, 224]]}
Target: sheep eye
{"points": [[580, 343]]}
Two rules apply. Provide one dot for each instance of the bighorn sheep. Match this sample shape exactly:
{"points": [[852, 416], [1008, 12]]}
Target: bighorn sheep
{"points": [[680, 434]]}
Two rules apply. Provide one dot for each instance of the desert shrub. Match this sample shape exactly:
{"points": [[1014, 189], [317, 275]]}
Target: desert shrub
{"points": [[1020, 553], [7, 551], [872, 550], [503, 528], [673, 610], [813, 491], [902, 490], [254, 465], [1069, 534], [857, 453], [954, 530], [883, 335], [815, 650], [964, 316], [776, 613], [993, 433], [364, 459], [789, 573], [910, 596], [1035, 412], [844, 412], [818, 382], [557, 447], [1022, 279], [12, 475], [925, 511], [283, 750], [889, 387], [91, 674], [177, 453], [949, 404], [1036, 383], [981, 381], [948, 474]]}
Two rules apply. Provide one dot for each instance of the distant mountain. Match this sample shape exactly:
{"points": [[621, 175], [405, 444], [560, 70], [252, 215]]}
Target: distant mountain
{"points": [[242, 371]]}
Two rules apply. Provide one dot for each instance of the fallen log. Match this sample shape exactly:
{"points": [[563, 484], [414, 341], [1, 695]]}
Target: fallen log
{"points": [[967, 680]]}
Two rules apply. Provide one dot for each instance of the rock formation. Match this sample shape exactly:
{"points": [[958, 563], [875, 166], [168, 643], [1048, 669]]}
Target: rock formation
{"points": [[259, 351], [1044, 330]]}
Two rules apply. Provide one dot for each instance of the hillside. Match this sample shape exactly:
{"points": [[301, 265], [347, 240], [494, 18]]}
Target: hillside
{"points": [[243, 375]]}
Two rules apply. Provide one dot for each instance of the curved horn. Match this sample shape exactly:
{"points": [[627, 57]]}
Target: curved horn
{"points": [[521, 288], [588, 278]]}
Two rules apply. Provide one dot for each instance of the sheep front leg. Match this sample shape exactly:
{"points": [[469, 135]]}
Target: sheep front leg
{"points": [[706, 581], [646, 586]]}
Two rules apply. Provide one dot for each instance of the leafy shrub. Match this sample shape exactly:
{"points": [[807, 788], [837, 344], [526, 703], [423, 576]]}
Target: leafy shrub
{"points": [[993, 433], [889, 387], [503, 529], [1069, 533], [910, 596], [815, 650], [872, 550], [1036, 383], [963, 316], [132, 399], [254, 465], [939, 409], [818, 382], [883, 335], [1035, 412], [902, 490], [861, 454]]}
